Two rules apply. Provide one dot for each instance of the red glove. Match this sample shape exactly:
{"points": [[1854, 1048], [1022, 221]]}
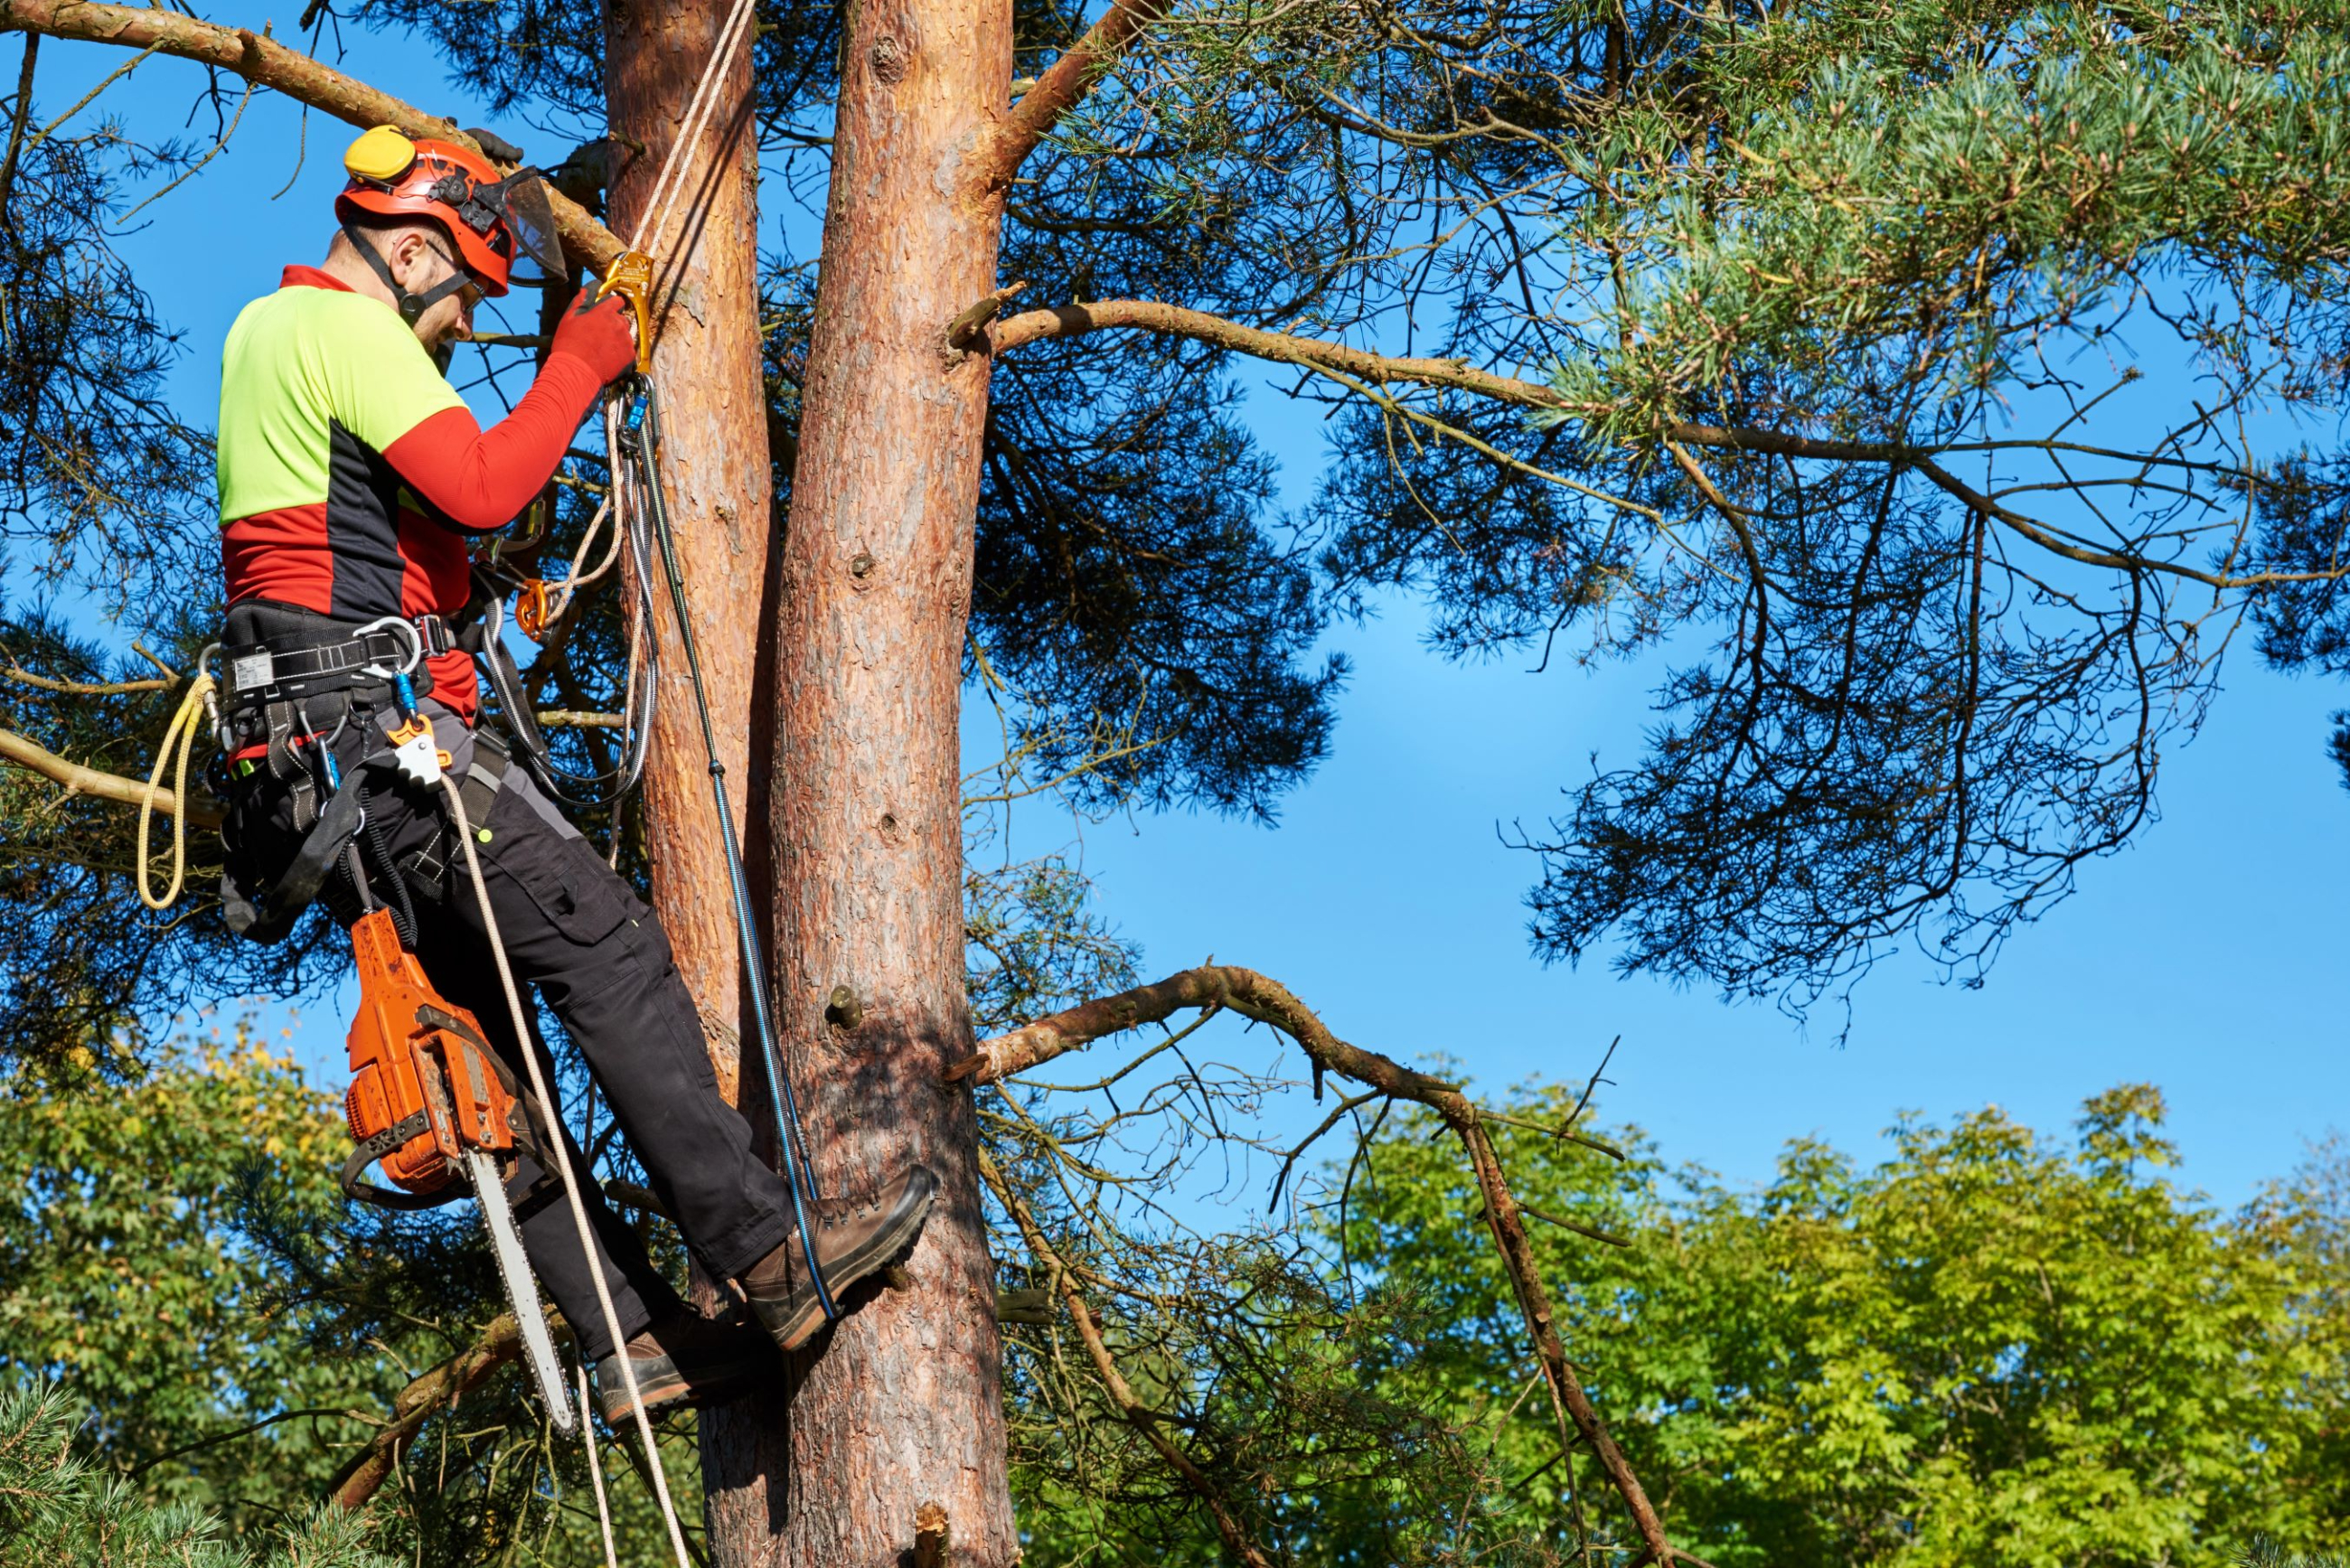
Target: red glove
{"points": [[598, 332]]}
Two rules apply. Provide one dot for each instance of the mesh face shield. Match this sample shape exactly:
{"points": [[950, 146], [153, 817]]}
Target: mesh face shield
{"points": [[514, 209]]}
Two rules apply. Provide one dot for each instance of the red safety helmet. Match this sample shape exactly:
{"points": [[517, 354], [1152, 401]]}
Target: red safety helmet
{"points": [[393, 177], [487, 217]]}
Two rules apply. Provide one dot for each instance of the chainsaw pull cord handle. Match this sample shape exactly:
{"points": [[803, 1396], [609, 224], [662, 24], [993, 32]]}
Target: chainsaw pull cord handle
{"points": [[641, 444], [179, 741], [560, 1154]]}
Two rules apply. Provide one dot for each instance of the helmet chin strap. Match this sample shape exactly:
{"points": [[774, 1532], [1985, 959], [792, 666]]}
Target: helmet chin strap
{"points": [[411, 306]]}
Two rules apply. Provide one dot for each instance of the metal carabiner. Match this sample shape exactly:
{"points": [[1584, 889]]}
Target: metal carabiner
{"points": [[415, 646], [220, 736]]}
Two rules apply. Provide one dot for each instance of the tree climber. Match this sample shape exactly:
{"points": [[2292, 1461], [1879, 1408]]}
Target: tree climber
{"points": [[351, 474]]}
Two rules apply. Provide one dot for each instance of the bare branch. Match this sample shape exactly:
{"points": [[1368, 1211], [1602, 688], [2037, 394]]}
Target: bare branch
{"points": [[1253, 995], [1135, 1413], [1150, 315], [21, 111], [431, 1390], [23, 677], [36, 758], [266, 63]]}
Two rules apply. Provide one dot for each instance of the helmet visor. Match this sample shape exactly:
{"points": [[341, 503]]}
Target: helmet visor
{"points": [[521, 202]]}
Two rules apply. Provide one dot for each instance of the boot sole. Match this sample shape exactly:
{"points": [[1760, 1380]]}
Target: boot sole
{"points": [[806, 1312], [666, 1386]]}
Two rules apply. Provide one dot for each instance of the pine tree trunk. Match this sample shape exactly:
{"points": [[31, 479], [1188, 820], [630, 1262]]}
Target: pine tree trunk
{"points": [[714, 461], [899, 1406]]}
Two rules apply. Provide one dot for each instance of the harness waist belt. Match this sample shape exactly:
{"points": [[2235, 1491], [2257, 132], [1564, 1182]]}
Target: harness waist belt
{"points": [[257, 670]]}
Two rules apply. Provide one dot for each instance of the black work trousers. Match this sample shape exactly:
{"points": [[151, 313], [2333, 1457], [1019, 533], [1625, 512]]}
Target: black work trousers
{"points": [[575, 932]]}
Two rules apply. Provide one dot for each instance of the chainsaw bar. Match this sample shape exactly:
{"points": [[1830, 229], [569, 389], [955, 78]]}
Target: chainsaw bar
{"points": [[521, 1288]]}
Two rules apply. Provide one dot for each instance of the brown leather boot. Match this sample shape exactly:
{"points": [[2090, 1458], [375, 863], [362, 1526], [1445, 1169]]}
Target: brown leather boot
{"points": [[685, 1359], [853, 1239]]}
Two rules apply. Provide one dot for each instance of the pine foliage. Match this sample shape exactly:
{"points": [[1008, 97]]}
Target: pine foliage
{"points": [[59, 1510]]}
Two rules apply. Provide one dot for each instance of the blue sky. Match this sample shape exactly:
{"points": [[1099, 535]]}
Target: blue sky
{"points": [[2205, 958]]}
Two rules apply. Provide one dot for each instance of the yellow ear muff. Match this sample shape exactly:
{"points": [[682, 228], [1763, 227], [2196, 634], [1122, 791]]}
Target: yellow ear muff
{"points": [[383, 155]]}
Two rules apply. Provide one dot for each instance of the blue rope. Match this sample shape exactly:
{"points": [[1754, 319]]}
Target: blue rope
{"points": [[641, 439]]}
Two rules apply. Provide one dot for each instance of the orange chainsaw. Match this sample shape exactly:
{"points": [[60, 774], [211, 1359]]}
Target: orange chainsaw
{"points": [[431, 1101]]}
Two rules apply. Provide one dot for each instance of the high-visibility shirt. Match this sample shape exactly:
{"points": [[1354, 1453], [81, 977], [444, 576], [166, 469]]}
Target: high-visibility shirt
{"points": [[351, 471]]}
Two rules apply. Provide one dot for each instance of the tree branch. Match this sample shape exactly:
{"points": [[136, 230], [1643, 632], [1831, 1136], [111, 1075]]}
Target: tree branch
{"points": [[1129, 1408], [36, 758], [1064, 83], [81, 688], [266, 63], [1151, 316], [1317, 354], [437, 1387], [1253, 995]]}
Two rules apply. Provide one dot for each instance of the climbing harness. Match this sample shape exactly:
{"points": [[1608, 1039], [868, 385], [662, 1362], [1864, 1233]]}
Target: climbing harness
{"points": [[271, 723]]}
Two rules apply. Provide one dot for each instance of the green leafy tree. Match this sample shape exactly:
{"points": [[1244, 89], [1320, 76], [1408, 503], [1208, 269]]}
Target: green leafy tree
{"points": [[181, 1264], [1987, 1350], [131, 1281]]}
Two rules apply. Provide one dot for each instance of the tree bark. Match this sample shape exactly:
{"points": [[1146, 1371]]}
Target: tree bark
{"points": [[714, 467], [898, 1405]]}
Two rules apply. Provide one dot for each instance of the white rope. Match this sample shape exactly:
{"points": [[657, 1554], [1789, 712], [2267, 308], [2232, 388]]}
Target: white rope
{"points": [[562, 1156], [560, 594], [595, 1471], [662, 202], [580, 1369], [649, 236]]}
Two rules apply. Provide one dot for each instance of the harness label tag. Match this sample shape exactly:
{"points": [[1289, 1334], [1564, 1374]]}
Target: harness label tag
{"points": [[250, 672]]}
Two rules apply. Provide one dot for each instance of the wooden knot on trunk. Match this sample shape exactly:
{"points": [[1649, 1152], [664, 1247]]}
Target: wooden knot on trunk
{"points": [[889, 60]]}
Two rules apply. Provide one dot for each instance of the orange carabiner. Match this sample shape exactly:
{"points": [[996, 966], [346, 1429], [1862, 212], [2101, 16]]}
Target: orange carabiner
{"points": [[530, 608]]}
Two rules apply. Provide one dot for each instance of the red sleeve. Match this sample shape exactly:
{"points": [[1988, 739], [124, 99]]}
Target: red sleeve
{"points": [[481, 479]]}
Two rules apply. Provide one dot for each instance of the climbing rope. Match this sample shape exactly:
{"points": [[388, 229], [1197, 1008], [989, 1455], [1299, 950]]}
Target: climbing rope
{"points": [[596, 1473], [561, 1154], [650, 233], [641, 437], [179, 740]]}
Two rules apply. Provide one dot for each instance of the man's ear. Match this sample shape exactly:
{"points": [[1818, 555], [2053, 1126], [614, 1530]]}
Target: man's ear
{"points": [[403, 247]]}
